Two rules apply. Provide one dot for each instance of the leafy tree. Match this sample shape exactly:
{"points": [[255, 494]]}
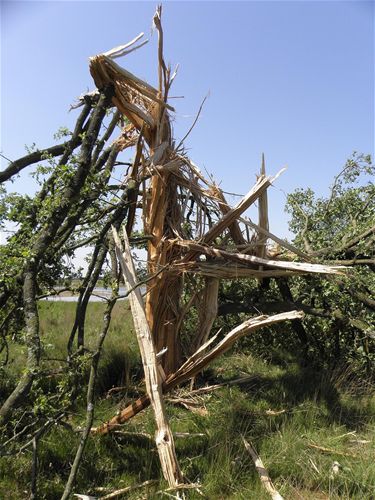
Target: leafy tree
{"points": [[339, 324], [75, 206], [341, 228]]}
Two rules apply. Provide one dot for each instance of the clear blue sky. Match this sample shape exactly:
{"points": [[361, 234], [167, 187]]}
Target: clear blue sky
{"points": [[292, 79]]}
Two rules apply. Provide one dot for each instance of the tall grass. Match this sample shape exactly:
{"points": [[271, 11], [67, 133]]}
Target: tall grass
{"points": [[330, 410]]}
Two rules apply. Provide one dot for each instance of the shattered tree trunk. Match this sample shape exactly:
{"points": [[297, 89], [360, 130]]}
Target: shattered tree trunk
{"points": [[164, 438], [163, 217], [207, 310], [164, 292], [170, 181]]}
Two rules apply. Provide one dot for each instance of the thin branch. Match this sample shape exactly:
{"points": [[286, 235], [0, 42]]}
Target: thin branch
{"points": [[193, 124], [90, 397]]}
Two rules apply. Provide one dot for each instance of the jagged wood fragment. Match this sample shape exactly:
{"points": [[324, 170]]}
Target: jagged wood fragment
{"points": [[271, 236], [198, 248], [225, 270], [232, 215], [164, 438], [262, 471], [234, 228], [124, 50]]}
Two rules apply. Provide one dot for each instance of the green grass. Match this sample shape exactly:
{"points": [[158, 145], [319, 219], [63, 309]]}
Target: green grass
{"points": [[329, 410]]}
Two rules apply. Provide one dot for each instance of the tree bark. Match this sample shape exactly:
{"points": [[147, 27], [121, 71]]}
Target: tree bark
{"points": [[32, 341]]}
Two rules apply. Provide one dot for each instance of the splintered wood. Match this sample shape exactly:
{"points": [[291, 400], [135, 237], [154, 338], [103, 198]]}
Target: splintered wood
{"points": [[164, 437], [195, 363], [195, 239], [262, 471]]}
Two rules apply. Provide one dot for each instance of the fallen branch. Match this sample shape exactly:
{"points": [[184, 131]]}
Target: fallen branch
{"points": [[196, 363], [262, 471], [145, 435]]}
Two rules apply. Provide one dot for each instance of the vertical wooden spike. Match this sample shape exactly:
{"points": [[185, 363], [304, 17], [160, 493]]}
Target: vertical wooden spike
{"points": [[263, 217], [263, 167]]}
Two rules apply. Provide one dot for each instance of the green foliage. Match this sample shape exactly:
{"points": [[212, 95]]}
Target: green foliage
{"points": [[339, 227], [331, 222], [62, 133], [339, 316]]}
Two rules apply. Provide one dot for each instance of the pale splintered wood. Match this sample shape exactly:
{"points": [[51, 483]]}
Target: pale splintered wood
{"points": [[164, 438], [233, 214], [197, 249], [234, 228], [201, 359], [262, 471], [123, 50], [207, 310], [232, 271], [261, 250], [105, 71], [197, 362], [281, 242]]}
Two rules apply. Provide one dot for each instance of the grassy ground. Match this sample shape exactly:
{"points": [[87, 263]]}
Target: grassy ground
{"points": [[307, 408]]}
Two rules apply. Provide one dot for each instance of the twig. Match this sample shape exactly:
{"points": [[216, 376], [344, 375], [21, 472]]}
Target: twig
{"points": [[117, 493], [331, 451], [193, 124], [210, 388]]}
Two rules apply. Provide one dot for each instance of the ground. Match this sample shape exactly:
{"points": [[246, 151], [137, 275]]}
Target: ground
{"points": [[299, 420]]}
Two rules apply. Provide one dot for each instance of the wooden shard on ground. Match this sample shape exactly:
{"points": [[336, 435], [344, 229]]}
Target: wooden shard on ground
{"points": [[194, 239]]}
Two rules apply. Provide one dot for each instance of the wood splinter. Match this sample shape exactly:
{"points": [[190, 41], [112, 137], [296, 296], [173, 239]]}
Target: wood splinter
{"points": [[262, 471]]}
